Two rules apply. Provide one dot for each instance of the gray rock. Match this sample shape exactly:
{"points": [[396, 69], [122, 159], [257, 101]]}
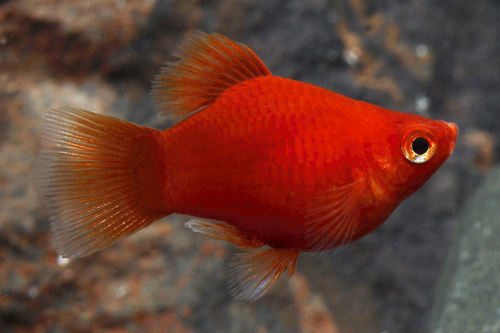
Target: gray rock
{"points": [[469, 297]]}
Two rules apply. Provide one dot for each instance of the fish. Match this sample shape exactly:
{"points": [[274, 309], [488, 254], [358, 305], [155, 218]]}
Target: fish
{"points": [[273, 165]]}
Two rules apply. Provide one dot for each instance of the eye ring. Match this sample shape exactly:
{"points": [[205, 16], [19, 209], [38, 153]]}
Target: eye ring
{"points": [[418, 146]]}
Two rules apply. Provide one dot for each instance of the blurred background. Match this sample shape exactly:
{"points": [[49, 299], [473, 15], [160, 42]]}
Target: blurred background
{"points": [[437, 58]]}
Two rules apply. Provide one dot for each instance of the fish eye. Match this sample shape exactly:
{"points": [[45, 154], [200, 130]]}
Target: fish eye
{"points": [[418, 146]]}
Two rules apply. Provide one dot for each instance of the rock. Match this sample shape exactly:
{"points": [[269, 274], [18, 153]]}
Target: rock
{"points": [[469, 293]]}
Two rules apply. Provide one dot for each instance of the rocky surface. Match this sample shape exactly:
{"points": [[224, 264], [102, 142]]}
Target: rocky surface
{"points": [[436, 58], [469, 297]]}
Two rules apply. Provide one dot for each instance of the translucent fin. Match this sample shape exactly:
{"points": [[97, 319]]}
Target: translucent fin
{"points": [[334, 217], [98, 177], [208, 65], [223, 231], [252, 274]]}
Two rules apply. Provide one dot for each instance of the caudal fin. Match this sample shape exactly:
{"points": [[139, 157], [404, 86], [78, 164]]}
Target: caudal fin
{"points": [[99, 177]]}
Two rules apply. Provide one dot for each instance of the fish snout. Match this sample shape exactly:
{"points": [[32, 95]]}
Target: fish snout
{"points": [[454, 129], [453, 135]]}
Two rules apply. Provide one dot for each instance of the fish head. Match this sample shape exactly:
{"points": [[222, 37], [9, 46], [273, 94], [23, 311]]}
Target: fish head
{"points": [[424, 145], [402, 151]]}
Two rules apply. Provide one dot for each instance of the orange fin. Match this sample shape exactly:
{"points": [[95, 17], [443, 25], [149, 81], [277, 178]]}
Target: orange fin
{"points": [[223, 231], [208, 65], [334, 217], [252, 274], [98, 178]]}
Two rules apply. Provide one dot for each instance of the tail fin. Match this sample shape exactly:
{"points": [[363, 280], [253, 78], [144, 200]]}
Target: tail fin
{"points": [[99, 177]]}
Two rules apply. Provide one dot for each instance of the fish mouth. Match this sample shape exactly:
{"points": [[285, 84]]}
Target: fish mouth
{"points": [[454, 133]]}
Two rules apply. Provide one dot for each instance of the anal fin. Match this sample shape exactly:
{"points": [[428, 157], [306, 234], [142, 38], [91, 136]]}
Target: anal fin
{"points": [[252, 274]]}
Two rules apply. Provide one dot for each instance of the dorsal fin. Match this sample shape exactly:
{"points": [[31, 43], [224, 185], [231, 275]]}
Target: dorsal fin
{"points": [[208, 65]]}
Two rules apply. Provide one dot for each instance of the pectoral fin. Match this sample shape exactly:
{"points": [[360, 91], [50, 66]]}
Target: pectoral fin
{"points": [[334, 217]]}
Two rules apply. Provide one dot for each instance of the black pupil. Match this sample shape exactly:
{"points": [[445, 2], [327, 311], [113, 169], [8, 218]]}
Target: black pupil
{"points": [[420, 146]]}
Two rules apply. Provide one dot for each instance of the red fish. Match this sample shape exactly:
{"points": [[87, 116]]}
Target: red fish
{"points": [[284, 165]]}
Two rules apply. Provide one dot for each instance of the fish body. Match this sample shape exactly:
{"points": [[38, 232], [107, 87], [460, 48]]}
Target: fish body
{"points": [[267, 149], [280, 163]]}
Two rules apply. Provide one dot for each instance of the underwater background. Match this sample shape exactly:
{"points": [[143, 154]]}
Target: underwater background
{"points": [[436, 58]]}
